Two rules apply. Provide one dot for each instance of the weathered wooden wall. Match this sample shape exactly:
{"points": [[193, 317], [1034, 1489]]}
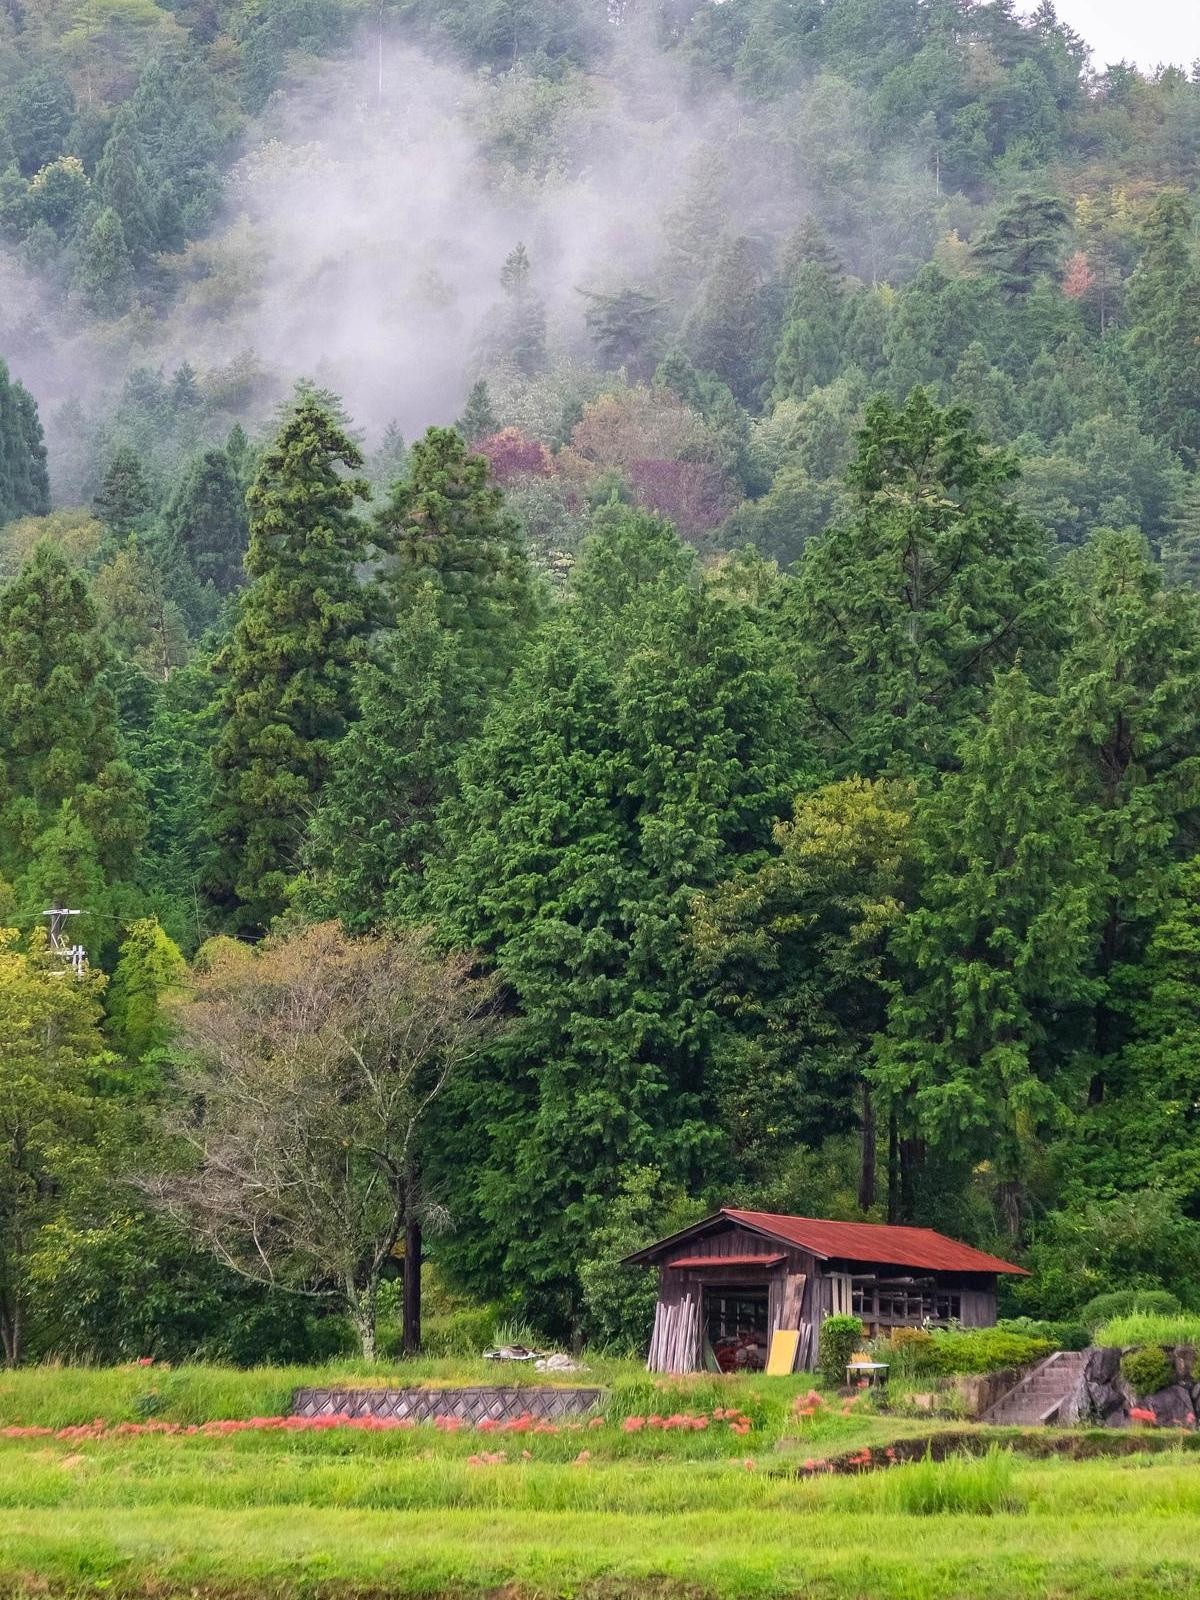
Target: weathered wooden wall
{"points": [[677, 1343]]}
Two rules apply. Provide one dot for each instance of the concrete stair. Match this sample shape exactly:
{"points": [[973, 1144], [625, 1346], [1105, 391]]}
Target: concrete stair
{"points": [[1041, 1394]]}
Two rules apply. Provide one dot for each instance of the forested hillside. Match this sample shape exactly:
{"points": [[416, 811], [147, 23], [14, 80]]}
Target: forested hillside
{"points": [[693, 507]]}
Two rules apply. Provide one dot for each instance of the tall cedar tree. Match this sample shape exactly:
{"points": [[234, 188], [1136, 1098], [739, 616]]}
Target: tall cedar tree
{"points": [[62, 772], [901, 614], [1128, 708], [376, 827], [795, 956], [463, 602], [447, 530], [605, 790], [24, 482], [206, 514], [287, 690], [1025, 241], [1164, 326], [995, 958]]}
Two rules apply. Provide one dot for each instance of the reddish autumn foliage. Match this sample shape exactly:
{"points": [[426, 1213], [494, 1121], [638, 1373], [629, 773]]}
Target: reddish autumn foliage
{"points": [[1078, 278], [692, 494], [512, 454]]}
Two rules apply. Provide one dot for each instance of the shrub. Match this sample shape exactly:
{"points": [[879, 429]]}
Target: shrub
{"points": [[986, 1350], [909, 1351], [1062, 1335], [840, 1338], [1128, 1303], [1148, 1370]]}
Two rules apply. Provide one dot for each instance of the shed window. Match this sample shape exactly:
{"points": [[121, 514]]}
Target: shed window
{"points": [[904, 1304]]}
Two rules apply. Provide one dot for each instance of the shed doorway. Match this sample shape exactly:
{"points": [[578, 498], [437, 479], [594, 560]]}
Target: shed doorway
{"points": [[736, 1321]]}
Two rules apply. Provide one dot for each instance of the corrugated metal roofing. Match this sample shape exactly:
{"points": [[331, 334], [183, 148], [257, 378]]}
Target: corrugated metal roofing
{"points": [[872, 1241], [683, 1262]]}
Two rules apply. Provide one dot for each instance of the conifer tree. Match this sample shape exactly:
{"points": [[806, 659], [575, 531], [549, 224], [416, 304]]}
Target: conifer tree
{"points": [[1164, 326], [150, 966], [104, 269], [287, 672], [606, 789], [124, 497], [1128, 711], [120, 184], [811, 342], [1024, 242], [24, 482], [59, 744], [523, 330], [901, 614], [376, 829], [478, 418], [995, 959], [446, 530], [1181, 543], [207, 515]]}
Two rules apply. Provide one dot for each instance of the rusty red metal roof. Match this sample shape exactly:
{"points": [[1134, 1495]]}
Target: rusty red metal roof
{"points": [[887, 1244], [873, 1241], [682, 1262]]}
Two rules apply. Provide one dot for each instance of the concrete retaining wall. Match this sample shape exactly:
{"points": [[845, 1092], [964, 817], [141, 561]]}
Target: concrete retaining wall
{"points": [[474, 1405]]}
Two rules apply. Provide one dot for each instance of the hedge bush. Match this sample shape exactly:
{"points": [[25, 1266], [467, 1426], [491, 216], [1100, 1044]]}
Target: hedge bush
{"points": [[1128, 1303], [840, 1338], [948, 1352], [1146, 1371], [1062, 1335]]}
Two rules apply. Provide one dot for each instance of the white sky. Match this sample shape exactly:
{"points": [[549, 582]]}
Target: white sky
{"points": [[1145, 31]]}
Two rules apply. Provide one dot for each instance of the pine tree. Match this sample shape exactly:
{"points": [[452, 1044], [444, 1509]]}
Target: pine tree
{"points": [[143, 625], [625, 328], [287, 672], [995, 958], [902, 613], [725, 332], [1024, 242], [207, 515]]}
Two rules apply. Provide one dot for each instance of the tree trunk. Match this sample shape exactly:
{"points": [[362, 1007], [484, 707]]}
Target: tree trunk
{"points": [[866, 1175], [412, 1287], [12, 1331], [893, 1179], [361, 1305]]}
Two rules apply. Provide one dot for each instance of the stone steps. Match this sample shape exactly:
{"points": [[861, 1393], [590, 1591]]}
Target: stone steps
{"points": [[1042, 1392]]}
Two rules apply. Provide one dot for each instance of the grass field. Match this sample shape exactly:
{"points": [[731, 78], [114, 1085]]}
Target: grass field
{"points": [[592, 1512]]}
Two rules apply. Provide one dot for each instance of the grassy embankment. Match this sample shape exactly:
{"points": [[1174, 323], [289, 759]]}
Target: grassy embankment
{"points": [[646, 1512]]}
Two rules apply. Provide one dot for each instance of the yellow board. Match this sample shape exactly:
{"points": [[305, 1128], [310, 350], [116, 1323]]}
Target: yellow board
{"points": [[782, 1358]]}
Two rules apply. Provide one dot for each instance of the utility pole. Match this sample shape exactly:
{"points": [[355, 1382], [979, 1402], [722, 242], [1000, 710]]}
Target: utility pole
{"points": [[73, 955]]}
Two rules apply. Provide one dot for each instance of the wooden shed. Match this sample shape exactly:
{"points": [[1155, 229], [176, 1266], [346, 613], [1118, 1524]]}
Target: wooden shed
{"points": [[728, 1283]]}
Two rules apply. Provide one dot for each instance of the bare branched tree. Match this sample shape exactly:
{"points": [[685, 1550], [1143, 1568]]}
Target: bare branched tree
{"points": [[310, 1065]]}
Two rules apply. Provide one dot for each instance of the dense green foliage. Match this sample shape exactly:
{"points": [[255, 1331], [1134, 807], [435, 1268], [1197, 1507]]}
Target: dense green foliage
{"points": [[783, 680]]}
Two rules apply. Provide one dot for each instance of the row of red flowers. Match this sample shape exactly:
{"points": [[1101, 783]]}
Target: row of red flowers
{"points": [[526, 1423]]}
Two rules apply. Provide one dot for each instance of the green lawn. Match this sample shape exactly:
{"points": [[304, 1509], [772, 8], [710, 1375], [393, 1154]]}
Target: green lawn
{"points": [[644, 1513]]}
